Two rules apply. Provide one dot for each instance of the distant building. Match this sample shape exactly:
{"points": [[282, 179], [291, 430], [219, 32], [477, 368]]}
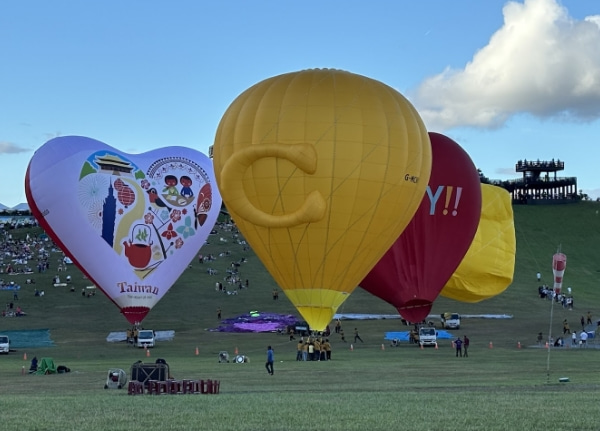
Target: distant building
{"points": [[540, 184]]}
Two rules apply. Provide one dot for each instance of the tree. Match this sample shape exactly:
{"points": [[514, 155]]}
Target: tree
{"points": [[483, 178]]}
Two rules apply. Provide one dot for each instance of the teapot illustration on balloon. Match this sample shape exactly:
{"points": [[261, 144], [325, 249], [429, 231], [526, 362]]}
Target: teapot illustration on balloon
{"points": [[138, 249]]}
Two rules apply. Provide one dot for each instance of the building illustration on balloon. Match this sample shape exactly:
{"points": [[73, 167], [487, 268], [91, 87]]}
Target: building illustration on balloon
{"points": [[145, 217]]}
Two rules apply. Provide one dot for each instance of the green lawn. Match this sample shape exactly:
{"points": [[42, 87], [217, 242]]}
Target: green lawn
{"points": [[373, 386]]}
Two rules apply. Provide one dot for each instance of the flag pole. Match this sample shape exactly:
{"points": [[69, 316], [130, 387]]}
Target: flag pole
{"points": [[558, 276]]}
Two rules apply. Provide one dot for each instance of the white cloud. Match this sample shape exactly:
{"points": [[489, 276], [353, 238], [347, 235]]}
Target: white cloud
{"points": [[10, 148], [541, 61]]}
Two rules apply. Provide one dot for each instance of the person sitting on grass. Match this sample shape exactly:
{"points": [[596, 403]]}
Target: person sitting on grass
{"points": [[34, 365]]}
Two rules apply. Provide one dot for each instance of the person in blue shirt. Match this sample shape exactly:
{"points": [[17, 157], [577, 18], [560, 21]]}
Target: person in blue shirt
{"points": [[270, 360], [458, 344]]}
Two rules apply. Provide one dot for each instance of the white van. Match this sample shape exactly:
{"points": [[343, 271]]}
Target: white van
{"points": [[4, 344], [145, 338], [427, 336]]}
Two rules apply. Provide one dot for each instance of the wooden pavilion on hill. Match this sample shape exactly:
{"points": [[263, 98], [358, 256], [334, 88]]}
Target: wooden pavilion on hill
{"points": [[540, 184]]}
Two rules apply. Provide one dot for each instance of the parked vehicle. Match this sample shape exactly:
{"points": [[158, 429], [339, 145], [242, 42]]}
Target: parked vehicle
{"points": [[4, 344], [450, 320], [145, 338], [427, 336]]}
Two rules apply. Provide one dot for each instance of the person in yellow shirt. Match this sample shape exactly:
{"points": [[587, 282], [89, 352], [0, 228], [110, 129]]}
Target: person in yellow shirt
{"points": [[305, 351], [326, 350], [317, 355], [299, 349]]}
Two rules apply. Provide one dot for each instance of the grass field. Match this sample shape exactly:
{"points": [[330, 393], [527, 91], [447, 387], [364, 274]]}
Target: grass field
{"points": [[502, 387]]}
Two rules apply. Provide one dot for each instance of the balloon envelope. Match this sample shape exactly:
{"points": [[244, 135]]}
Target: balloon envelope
{"points": [[131, 223], [321, 170], [488, 267], [413, 271]]}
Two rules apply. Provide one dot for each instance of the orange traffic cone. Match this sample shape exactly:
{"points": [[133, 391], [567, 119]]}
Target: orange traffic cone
{"points": [[491, 345], [24, 356], [197, 353], [421, 346], [351, 347], [436, 346], [148, 353], [236, 350], [547, 345], [518, 344], [382, 347]]}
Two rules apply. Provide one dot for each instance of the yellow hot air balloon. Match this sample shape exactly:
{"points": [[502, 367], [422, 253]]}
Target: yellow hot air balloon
{"points": [[489, 265], [321, 170]]}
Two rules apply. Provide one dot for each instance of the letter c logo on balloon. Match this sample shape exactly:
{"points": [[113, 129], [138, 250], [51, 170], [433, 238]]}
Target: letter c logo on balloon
{"points": [[303, 156]]}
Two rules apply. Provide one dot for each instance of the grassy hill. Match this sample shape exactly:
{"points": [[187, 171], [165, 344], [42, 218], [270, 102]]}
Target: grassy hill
{"points": [[79, 326]]}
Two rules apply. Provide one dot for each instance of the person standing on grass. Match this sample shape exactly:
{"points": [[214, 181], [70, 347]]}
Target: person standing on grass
{"points": [[299, 348], [458, 345], [583, 338], [566, 329], [356, 336], [574, 339], [270, 360], [466, 342]]}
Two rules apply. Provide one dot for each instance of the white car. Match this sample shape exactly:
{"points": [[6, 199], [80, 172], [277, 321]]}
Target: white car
{"points": [[4, 344]]}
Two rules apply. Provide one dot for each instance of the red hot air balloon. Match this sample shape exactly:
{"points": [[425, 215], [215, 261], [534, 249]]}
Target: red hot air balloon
{"points": [[417, 266]]}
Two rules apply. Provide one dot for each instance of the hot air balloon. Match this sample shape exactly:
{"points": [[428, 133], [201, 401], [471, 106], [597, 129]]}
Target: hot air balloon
{"points": [[135, 245], [488, 266], [414, 270], [321, 169]]}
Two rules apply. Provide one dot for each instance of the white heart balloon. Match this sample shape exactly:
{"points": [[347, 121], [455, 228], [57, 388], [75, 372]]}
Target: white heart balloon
{"points": [[131, 222]]}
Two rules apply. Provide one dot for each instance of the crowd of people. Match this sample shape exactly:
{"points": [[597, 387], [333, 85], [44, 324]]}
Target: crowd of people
{"points": [[565, 300], [19, 256], [313, 348]]}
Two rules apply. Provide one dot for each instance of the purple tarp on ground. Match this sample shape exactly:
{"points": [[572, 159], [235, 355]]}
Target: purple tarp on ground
{"points": [[257, 322]]}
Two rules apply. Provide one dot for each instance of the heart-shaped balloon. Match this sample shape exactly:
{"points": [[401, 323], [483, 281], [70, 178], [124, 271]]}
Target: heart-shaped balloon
{"points": [[131, 222], [414, 270]]}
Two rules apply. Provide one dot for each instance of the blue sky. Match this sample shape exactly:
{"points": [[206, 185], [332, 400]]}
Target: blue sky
{"points": [[506, 80]]}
